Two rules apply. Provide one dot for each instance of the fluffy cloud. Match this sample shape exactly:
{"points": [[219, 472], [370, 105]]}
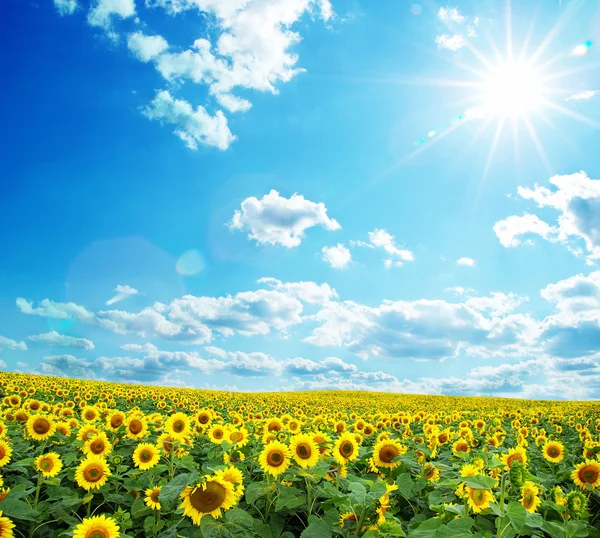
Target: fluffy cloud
{"points": [[583, 96], [469, 262], [55, 339], [66, 7], [67, 366], [276, 220], [451, 15], [460, 26], [337, 257], [450, 42], [303, 367], [382, 239], [307, 292], [146, 47], [192, 126], [577, 200], [12, 344], [103, 11], [122, 293]]}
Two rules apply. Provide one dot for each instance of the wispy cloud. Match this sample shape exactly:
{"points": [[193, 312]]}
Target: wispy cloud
{"points": [[583, 96], [55, 339], [122, 293]]}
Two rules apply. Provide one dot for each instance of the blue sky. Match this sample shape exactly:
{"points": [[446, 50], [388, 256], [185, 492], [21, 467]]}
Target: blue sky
{"points": [[303, 194]]}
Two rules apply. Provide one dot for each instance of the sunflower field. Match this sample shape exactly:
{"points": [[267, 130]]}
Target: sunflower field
{"points": [[103, 460]]}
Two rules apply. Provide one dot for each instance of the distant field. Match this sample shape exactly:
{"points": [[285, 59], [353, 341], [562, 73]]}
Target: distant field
{"points": [[102, 460]]}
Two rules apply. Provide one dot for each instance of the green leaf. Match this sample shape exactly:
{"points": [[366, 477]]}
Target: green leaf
{"points": [[378, 490], [289, 498], [535, 521], [187, 462], [517, 514], [358, 494], [318, 529], [139, 508], [169, 493], [255, 490], [236, 523], [14, 508], [427, 529], [149, 522], [479, 481], [404, 483], [461, 524]]}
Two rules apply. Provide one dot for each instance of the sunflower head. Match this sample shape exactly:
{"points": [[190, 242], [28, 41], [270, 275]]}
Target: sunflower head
{"points": [[576, 503], [97, 527], [211, 497]]}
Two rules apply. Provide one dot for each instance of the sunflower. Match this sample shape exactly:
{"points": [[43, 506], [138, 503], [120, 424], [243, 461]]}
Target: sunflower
{"points": [[239, 436], [98, 445], [146, 456], [587, 474], [97, 527], [90, 414], [529, 497], [514, 454], [212, 497], [48, 464], [461, 446], [203, 418], [92, 473], [5, 452], [234, 475], [345, 448], [6, 527], [178, 426], [216, 434], [115, 419], [478, 499], [304, 450], [554, 451], [386, 451], [275, 458], [136, 427], [431, 472], [151, 498], [40, 427]]}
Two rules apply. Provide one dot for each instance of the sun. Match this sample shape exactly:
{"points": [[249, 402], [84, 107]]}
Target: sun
{"points": [[512, 90]]}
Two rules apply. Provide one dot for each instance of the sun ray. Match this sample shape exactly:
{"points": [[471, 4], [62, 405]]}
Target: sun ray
{"points": [[573, 114], [538, 145], [509, 43], [492, 152]]}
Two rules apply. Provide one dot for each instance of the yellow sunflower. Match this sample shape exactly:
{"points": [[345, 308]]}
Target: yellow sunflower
{"points": [[304, 450], [40, 427], [178, 426], [146, 456], [529, 496], [151, 498], [92, 473], [431, 472], [345, 448], [275, 458], [97, 527], [48, 464], [90, 414], [233, 475], [6, 527], [461, 446], [478, 499], [554, 451], [136, 427], [514, 454], [5, 452], [115, 419], [587, 474], [216, 434], [239, 436], [212, 497], [386, 451], [98, 445]]}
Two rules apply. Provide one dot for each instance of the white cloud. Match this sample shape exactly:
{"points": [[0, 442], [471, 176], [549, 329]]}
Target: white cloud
{"points": [[450, 42], [379, 238], [55, 339], [142, 348], [67, 366], [576, 198], [12, 344], [276, 220], [233, 103], [303, 367], [193, 127], [451, 15], [583, 96], [103, 11], [307, 292], [337, 256], [146, 47], [469, 262], [497, 304], [122, 293], [66, 7], [510, 229]]}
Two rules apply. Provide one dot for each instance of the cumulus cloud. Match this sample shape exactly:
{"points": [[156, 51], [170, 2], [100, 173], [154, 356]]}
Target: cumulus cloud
{"points": [[576, 198], [55, 339], [460, 26], [583, 96], [65, 7], [299, 366], [122, 293], [12, 344], [67, 366], [104, 11], [338, 256], [379, 238], [193, 127], [469, 262], [276, 220], [146, 47], [307, 292]]}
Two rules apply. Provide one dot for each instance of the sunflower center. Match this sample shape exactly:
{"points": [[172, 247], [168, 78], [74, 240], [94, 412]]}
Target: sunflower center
{"points": [[478, 496], [135, 426], [2, 452], [218, 434], [203, 419], [236, 436], [388, 453], [512, 458], [41, 426], [47, 465], [97, 447], [208, 498], [90, 415], [275, 458], [461, 447], [115, 422], [589, 475], [429, 472], [178, 426], [527, 499], [346, 449], [93, 473], [553, 452], [303, 451], [97, 533], [154, 495], [145, 455]]}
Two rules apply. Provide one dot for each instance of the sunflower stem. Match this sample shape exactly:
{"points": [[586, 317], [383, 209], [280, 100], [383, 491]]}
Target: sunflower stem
{"points": [[35, 502], [502, 493]]}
